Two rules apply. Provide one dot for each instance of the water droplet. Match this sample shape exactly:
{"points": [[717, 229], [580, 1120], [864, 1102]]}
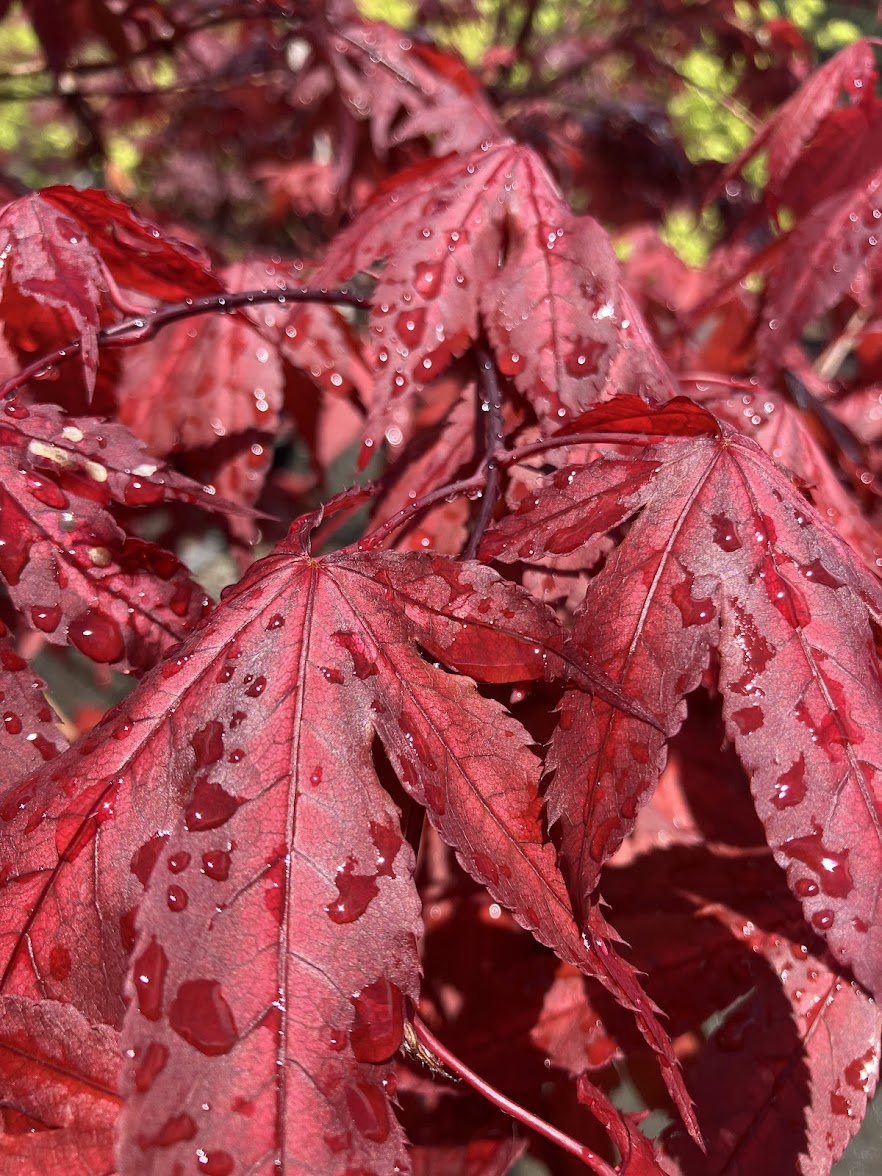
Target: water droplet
{"points": [[830, 866], [364, 665], [790, 786], [208, 743], [411, 325], [378, 1027], [369, 1111], [97, 635], [584, 358], [177, 1129], [257, 687], [388, 843], [47, 491], [148, 975], [209, 806], [486, 867], [200, 1015], [725, 533], [149, 1066], [45, 617], [11, 723], [354, 894], [216, 864], [176, 897], [428, 279], [145, 858], [215, 1163], [823, 920], [693, 612]]}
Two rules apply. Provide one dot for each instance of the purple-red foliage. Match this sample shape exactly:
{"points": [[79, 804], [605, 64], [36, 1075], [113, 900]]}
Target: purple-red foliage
{"points": [[543, 727]]}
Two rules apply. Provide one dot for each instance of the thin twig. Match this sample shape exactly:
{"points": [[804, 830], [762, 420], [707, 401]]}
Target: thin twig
{"points": [[451, 1062], [144, 326], [835, 353], [451, 490], [491, 405]]}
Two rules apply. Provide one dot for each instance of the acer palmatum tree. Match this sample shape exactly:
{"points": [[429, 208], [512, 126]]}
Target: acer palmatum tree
{"points": [[538, 747]]}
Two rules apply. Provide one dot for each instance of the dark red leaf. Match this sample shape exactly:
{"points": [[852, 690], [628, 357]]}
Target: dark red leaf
{"points": [[725, 552], [71, 570], [58, 1075]]}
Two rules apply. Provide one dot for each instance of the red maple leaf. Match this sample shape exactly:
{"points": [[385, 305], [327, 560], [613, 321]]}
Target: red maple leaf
{"points": [[486, 242], [724, 553], [70, 568]]}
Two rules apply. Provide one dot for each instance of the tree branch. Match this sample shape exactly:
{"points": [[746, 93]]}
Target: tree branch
{"points": [[491, 404], [144, 326], [451, 1062]]}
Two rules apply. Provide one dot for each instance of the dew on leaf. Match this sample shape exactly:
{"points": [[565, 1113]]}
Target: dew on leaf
{"points": [[215, 1163], [369, 1111], [725, 533], [148, 976], [823, 920], [177, 1129], [176, 898], [149, 1065], [790, 786], [486, 867], [145, 858], [97, 636], [47, 491], [216, 864], [354, 894], [208, 743], [209, 806], [831, 866], [46, 617], [257, 687], [387, 842], [201, 1015], [363, 663], [427, 281], [11, 723], [378, 1026]]}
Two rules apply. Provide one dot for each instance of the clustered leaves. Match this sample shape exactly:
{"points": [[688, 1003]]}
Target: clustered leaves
{"points": [[537, 738]]}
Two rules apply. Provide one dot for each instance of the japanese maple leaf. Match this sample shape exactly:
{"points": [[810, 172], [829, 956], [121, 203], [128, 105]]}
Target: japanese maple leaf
{"points": [[59, 1101], [65, 255], [818, 262], [236, 788], [784, 135], [723, 552], [405, 87], [486, 241], [241, 370], [70, 569], [785, 434], [786, 1078], [28, 731]]}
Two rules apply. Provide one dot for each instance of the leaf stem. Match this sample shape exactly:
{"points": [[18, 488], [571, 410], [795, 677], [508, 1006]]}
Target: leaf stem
{"points": [[144, 326], [491, 405], [451, 1062], [451, 490]]}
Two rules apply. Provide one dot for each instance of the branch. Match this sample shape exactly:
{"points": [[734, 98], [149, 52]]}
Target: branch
{"points": [[491, 404], [451, 1062], [144, 326], [451, 490]]}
